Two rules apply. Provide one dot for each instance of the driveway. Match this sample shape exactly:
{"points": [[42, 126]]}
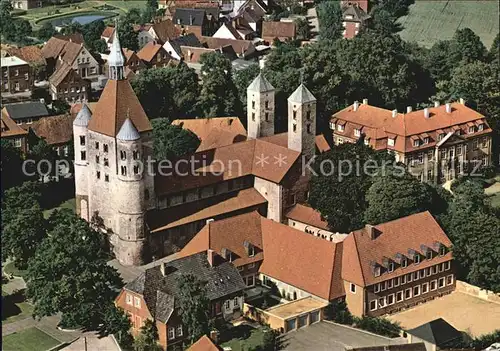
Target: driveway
{"points": [[326, 336]]}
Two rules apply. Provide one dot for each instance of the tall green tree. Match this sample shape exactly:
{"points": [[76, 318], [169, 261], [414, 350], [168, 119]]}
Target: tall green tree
{"points": [[10, 166], [117, 323], [148, 338], [494, 54], [330, 20], [218, 96], [128, 37], [172, 141], [69, 274], [467, 47], [194, 306], [242, 79], [303, 28], [24, 196], [46, 31]]}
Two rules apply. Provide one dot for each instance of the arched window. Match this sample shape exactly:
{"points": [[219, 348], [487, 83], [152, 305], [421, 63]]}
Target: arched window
{"points": [[123, 155], [123, 170]]}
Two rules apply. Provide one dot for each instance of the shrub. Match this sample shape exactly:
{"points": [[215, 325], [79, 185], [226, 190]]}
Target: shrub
{"points": [[338, 312], [18, 12], [378, 325]]}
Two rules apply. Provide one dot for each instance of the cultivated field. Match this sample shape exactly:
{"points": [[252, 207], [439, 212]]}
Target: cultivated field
{"points": [[431, 20]]}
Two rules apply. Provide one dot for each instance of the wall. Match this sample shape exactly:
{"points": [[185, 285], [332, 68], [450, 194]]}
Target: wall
{"points": [[288, 289], [85, 62], [475, 291], [322, 233], [355, 301], [16, 74], [273, 193]]}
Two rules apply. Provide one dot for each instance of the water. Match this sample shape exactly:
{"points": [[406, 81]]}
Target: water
{"points": [[82, 19]]}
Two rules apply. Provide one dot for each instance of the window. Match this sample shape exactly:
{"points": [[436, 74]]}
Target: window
{"points": [[308, 114], [171, 333], [377, 271], [253, 104], [434, 269], [416, 290], [430, 155], [421, 158], [442, 250], [416, 260], [228, 304], [459, 149], [357, 132], [251, 251], [340, 127], [376, 288], [135, 155], [353, 288], [72, 89], [93, 70], [17, 87], [295, 128], [426, 140], [123, 170], [480, 128], [428, 254], [416, 275], [18, 142], [266, 114], [471, 130], [137, 302], [399, 296], [416, 143], [105, 147], [447, 265], [17, 72], [390, 142], [82, 140], [381, 302], [425, 288], [422, 273], [389, 284], [235, 301], [136, 169], [26, 76], [294, 114], [441, 282], [443, 153], [409, 277], [433, 285], [106, 162], [83, 155], [97, 145], [449, 279], [240, 268], [428, 271], [408, 294], [451, 152], [403, 279], [83, 88], [178, 331], [96, 158], [404, 262], [373, 305], [383, 286], [251, 265], [390, 299], [397, 281], [266, 104], [106, 178], [129, 299], [98, 174]]}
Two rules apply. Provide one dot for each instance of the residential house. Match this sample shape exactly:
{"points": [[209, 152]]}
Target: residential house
{"points": [[204, 344], [237, 29], [258, 7], [32, 54], [173, 47], [67, 85], [25, 113], [354, 17], [244, 48], [154, 55], [155, 294], [192, 55], [16, 77], [281, 31], [437, 144], [57, 131], [193, 21], [59, 50], [14, 133], [26, 4], [162, 32], [144, 34], [436, 335]]}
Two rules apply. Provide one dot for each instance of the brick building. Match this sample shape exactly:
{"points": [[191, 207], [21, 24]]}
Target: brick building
{"points": [[25, 113], [354, 16], [67, 85], [14, 133], [16, 76], [154, 55]]}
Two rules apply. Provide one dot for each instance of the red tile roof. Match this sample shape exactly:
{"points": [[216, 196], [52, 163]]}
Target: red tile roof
{"points": [[149, 51], [272, 29], [204, 344], [307, 215], [55, 129], [9, 127], [30, 54], [394, 237], [108, 32]]}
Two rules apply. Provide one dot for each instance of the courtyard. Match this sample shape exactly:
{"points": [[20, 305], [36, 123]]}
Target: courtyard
{"points": [[465, 312]]}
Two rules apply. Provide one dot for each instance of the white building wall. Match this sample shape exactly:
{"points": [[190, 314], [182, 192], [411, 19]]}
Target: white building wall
{"points": [[224, 33], [273, 193], [286, 290], [319, 232]]}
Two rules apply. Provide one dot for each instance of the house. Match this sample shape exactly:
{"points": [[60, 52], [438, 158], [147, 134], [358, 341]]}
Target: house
{"points": [[25, 113], [354, 17], [278, 30], [14, 133], [237, 29], [192, 55], [436, 335], [204, 344], [244, 48], [16, 77], [32, 54], [66, 84], [437, 144], [173, 47], [57, 131], [155, 294], [163, 31], [154, 55], [193, 21], [26, 4], [59, 50], [258, 7]]}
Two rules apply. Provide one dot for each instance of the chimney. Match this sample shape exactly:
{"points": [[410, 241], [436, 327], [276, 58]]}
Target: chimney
{"points": [[394, 113], [211, 257], [448, 107], [462, 101], [436, 104], [355, 105], [365, 101], [372, 232], [163, 268], [426, 112], [409, 109]]}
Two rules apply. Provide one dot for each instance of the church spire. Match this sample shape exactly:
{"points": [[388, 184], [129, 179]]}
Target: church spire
{"points": [[116, 61]]}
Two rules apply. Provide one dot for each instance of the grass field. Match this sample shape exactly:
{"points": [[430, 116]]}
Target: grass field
{"points": [[15, 307], [430, 21], [28, 340], [244, 338], [66, 204]]}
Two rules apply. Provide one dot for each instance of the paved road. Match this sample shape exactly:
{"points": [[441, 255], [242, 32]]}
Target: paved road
{"points": [[325, 336]]}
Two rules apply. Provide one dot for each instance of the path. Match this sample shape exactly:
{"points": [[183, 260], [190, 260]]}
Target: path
{"points": [[312, 18]]}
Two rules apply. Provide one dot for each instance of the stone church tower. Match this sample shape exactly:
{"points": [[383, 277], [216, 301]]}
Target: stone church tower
{"points": [[302, 121], [260, 108], [112, 185]]}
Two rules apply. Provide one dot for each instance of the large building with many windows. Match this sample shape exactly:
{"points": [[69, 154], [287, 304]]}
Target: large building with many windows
{"points": [[438, 143]]}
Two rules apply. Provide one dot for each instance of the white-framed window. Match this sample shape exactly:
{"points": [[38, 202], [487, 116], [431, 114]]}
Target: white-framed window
{"points": [[416, 290], [441, 282], [426, 140], [391, 267], [399, 296], [403, 279], [416, 143], [376, 288], [428, 271], [449, 279], [425, 288], [171, 333], [409, 277], [421, 158], [235, 301], [17, 87], [459, 149], [390, 142], [435, 269], [373, 305], [128, 299], [422, 273], [442, 250], [137, 302], [404, 262], [397, 281], [389, 284], [357, 132], [471, 130], [352, 288], [228, 304], [428, 254], [447, 265], [178, 331], [383, 286], [408, 293], [390, 299], [366, 142], [381, 302], [18, 142], [340, 127], [416, 275], [377, 271], [480, 127], [26, 76], [416, 260], [433, 285]]}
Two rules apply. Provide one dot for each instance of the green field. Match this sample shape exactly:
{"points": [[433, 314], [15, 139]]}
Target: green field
{"points": [[243, 337], [430, 21], [28, 340]]}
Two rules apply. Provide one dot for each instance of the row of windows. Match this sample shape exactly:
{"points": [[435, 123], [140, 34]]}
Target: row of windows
{"points": [[16, 73], [266, 104], [174, 332], [409, 293], [308, 114], [248, 266], [308, 128], [266, 116], [404, 261], [133, 301], [83, 60], [74, 89], [408, 278]]}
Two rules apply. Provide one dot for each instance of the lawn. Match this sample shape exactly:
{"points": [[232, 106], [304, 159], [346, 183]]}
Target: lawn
{"points": [[10, 268], [28, 340], [66, 204], [15, 307], [242, 338], [430, 21]]}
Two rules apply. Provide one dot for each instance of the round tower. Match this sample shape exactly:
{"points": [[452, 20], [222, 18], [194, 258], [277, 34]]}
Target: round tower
{"points": [[80, 140]]}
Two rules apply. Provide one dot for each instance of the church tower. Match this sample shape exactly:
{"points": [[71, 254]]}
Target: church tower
{"points": [[302, 121], [118, 186], [260, 108], [81, 170]]}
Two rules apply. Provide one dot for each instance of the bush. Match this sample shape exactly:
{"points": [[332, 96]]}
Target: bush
{"points": [[378, 325], [337, 311], [486, 340], [18, 12]]}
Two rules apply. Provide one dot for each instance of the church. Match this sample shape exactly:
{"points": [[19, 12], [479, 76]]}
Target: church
{"points": [[149, 214]]}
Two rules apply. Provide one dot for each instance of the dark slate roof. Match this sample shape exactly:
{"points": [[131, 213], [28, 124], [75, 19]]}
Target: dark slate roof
{"points": [[27, 110], [358, 13], [185, 40], [438, 332], [160, 291], [185, 16]]}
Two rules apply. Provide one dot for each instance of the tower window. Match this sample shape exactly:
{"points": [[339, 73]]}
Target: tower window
{"points": [[98, 175], [308, 114], [136, 169], [253, 116], [105, 147], [267, 104], [253, 104], [106, 178], [97, 159], [97, 145], [82, 140], [267, 116], [309, 128], [294, 127], [294, 114], [123, 170], [135, 155], [123, 155], [106, 162], [83, 155]]}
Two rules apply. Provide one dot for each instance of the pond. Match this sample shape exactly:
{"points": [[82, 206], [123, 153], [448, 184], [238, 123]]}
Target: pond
{"points": [[82, 18]]}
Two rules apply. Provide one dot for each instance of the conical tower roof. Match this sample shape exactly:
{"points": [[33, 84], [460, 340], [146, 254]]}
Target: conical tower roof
{"points": [[260, 84], [128, 132], [116, 57], [83, 117], [301, 95]]}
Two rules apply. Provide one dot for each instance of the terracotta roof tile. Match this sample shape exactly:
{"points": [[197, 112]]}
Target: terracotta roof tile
{"points": [[307, 215], [271, 29], [166, 30], [31, 54], [149, 51], [55, 129], [245, 47], [204, 344], [117, 102], [10, 128], [108, 32], [322, 144]]}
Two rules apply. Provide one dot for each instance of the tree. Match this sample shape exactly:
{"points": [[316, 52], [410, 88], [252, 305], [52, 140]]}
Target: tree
{"points": [[46, 31], [242, 79], [41, 151], [394, 196], [69, 274], [271, 341], [11, 165], [133, 16], [438, 60], [25, 196], [5, 14], [330, 20], [467, 47], [128, 36], [303, 28], [117, 323], [148, 339], [218, 96], [172, 141], [194, 306], [495, 50]]}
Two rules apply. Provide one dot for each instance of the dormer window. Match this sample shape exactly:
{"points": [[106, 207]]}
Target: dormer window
{"points": [[377, 271], [390, 267], [357, 132], [426, 140], [441, 136], [416, 143], [428, 255], [340, 127], [390, 142], [480, 127], [416, 259], [404, 262], [442, 250], [251, 251], [471, 130]]}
